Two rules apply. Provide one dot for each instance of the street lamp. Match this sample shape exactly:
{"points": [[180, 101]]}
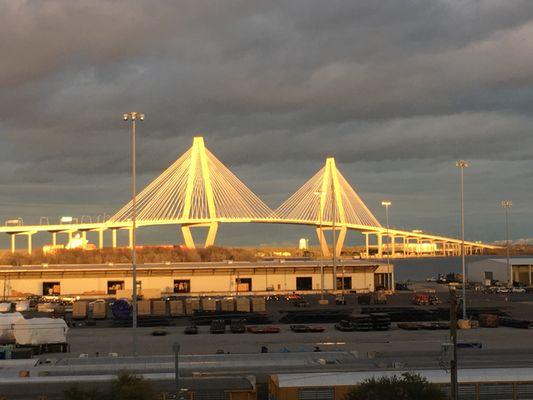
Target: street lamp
{"points": [[387, 204], [507, 204], [462, 164], [320, 195], [133, 117]]}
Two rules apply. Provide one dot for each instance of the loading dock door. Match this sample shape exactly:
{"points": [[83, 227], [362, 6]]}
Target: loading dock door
{"points": [[51, 288], [244, 284], [304, 283]]}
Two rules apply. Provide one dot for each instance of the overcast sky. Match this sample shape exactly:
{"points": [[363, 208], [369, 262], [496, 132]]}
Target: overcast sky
{"points": [[396, 90]]}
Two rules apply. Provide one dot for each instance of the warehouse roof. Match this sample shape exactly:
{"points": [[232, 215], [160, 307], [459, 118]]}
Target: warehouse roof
{"points": [[185, 265], [436, 376]]}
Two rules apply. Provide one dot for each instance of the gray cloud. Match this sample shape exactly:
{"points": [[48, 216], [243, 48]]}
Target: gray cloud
{"points": [[397, 91]]}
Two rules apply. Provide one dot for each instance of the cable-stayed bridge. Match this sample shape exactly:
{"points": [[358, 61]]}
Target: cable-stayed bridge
{"points": [[198, 190]]}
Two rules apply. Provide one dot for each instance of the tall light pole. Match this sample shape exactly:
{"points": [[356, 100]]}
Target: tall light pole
{"points": [[462, 164], [133, 117], [387, 204], [334, 234], [507, 204], [320, 195]]}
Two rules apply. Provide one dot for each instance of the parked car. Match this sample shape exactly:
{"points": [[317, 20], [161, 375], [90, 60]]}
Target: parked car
{"points": [[263, 329], [299, 328], [421, 299], [344, 326], [306, 328], [340, 300], [502, 289], [516, 289], [294, 296], [33, 299]]}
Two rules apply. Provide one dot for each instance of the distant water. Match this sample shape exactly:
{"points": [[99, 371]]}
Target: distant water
{"points": [[419, 269]]}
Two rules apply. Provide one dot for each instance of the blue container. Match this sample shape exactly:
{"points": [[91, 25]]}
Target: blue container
{"points": [[121, 309]]}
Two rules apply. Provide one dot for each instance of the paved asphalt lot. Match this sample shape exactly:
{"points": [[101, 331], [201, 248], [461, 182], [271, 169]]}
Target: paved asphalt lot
{"points": [[118, 340], [104, 339]]}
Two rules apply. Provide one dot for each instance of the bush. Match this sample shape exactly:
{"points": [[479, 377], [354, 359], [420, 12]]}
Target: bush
{"points": [[126, 386], [77, 393], [406, 387]]}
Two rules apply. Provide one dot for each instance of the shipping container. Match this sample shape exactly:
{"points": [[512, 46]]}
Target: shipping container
{"points": [[176, 308]]}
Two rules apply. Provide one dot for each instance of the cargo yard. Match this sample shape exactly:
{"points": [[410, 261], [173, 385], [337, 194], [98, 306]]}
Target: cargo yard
{"points": [[251, 343]]}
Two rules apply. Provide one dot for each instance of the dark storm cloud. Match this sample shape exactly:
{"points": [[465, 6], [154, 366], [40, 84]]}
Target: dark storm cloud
{"points": [[396, 90]]}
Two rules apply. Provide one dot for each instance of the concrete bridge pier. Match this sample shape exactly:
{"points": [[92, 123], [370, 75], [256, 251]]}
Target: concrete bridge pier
{"points": [[100, 238], [114, 238], [212, 228], [13, 242], [30, 235], [342, 230]]}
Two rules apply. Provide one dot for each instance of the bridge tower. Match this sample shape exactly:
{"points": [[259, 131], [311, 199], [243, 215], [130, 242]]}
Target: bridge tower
{"points": [[328, 202], [199, 173], [197, 190]]}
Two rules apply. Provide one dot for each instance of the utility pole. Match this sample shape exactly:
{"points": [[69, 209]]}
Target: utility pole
{"points": [[176, 348], [462, 164], [133, 116], [454, 386], [507, 204]]}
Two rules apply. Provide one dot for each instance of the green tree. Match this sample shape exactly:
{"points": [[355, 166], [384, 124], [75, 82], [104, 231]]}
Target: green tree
{"points": [[405, 387]]}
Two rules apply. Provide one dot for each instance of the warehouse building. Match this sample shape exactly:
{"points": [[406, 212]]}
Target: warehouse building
{"points": [[476, 384], [220, 278], [495, 269]]}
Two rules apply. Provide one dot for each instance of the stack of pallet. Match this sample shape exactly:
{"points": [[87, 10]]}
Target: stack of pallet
{"points": [[159, 308], [488, 321], [364, 299], [380, 297], [380, 321], [176, 308], [144, 308], [258, 304], [79, 310], [192, 305], [100, 310], [243, 304], [209, 304], [362, 322], [227, 304]]}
